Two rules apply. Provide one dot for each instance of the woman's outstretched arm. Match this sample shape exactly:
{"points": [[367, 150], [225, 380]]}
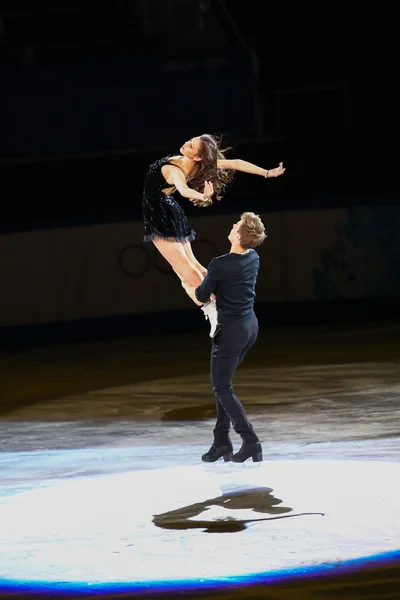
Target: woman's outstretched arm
{"points": [[238, 164]]}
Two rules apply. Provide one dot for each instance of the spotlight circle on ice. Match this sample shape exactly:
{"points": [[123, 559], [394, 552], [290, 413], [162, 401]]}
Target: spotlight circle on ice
{"points": [[174, 527]]}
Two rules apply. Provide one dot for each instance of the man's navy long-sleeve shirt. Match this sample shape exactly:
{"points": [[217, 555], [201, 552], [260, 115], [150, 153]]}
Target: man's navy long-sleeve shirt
{"points": [[232, 278]]}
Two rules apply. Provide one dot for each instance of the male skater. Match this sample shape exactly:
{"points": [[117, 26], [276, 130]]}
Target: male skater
{"points": [[232, 279]]}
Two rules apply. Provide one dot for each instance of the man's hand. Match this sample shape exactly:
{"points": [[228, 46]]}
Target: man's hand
{"points": [[190, 292]]}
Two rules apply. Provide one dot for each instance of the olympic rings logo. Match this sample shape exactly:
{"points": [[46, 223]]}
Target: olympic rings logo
{"points": [[135, 260]]}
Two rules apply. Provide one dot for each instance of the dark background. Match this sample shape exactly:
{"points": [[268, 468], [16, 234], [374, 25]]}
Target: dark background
{"points": [[92, 93], [331, 128]]}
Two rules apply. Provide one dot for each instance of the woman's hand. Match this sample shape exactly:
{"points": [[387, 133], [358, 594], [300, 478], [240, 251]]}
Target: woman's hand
{"points": [[208, 190], [275, 172]]}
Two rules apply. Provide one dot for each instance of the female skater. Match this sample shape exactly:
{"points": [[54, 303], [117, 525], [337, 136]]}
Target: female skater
{"points": [[200, 173]]}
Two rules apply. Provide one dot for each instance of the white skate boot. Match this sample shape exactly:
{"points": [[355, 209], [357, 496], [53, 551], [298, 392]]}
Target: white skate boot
{"points": [[211, 313]]}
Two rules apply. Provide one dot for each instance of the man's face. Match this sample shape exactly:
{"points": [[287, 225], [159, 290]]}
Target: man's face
{"points": [[234, 236]]}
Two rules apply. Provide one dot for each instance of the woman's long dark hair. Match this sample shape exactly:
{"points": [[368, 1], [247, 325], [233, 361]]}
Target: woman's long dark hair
{"points": [[210, 151]]}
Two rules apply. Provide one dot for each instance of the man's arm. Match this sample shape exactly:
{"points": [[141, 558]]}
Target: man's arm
{"points": [[191, 292], [202, 293]]}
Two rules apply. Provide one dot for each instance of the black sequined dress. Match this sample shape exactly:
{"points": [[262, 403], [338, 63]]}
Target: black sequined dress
{"points": [[162, 214]]}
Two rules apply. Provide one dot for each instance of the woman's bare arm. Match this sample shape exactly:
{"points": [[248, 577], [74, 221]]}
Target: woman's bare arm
{"points": [[247, 167], [175, 176]]}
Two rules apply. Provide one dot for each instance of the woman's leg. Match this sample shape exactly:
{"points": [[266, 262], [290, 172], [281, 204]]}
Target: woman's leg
{"points": [[175, 254], [189, 253], [210, 310]]}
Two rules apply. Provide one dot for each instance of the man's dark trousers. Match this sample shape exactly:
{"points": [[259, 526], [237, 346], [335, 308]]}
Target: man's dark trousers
{"points": [[231, 342]]}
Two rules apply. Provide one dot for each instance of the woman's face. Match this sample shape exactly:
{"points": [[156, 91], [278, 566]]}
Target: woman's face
{"points": [[191, 148]]}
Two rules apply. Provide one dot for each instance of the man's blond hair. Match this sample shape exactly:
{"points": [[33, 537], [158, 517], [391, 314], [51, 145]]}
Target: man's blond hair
{"points": [[251, 230]]}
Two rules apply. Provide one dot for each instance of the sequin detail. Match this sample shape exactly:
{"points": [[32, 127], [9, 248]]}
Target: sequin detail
{"points": [[163, 216]]}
